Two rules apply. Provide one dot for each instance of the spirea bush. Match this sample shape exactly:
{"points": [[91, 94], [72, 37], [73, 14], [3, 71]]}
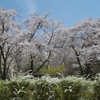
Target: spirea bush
{"points": [[71, 89], [97, 87], [47, 88]]}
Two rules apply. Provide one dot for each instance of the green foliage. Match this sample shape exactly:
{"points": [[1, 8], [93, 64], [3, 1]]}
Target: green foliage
{"points": [[53, 70], [71, 90], [47, 88], [97, 88], [3, 93], [58, 93], [75, 88], [15, 91]]}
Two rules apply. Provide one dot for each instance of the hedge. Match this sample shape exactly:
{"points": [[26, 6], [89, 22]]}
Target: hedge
{"points": [[47, 88]]}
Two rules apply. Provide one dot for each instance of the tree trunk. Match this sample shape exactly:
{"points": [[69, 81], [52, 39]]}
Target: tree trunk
{"points": [[31, 64], [4, 75], [78, 60], [0, 67], [81, 70]]}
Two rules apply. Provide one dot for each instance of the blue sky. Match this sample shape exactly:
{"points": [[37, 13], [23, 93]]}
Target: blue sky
{"points": [[69, 11]]}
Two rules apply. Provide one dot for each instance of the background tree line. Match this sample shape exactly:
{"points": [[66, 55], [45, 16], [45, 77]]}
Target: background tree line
{"points": [[40, 42]]}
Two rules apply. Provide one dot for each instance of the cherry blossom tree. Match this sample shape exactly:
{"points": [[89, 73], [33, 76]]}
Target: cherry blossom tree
{"points": [[43, 37], [85, 41], [10, 37]]}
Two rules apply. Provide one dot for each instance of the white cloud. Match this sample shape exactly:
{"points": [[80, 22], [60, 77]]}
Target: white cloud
{"points": [[25, 7], [30, 5]]}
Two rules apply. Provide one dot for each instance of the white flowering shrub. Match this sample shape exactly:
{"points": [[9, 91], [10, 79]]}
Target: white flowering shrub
{"points": [[97, 87], [47, 88], [15, 91], [72, 88]]}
